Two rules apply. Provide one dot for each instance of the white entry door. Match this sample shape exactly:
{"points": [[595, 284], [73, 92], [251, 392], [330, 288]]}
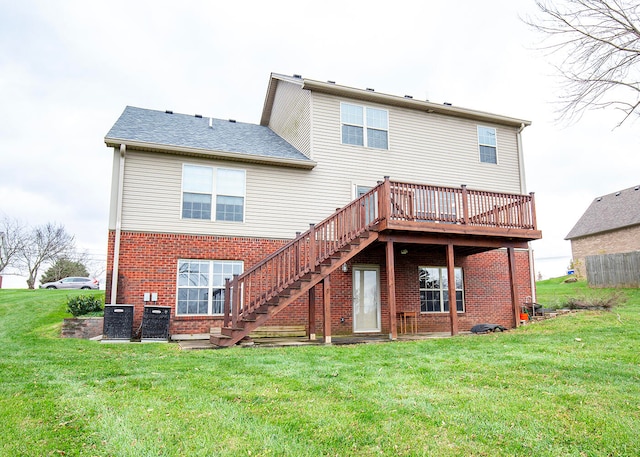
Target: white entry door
{"points": [[366, 299]]}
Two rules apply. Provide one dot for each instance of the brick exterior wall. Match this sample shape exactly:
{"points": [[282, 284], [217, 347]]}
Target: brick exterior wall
{"points": [[614, 242], [149, 262]]}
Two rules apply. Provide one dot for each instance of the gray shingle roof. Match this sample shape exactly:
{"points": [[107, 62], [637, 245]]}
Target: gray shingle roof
{"points": [[609, 212], [159, 128]]}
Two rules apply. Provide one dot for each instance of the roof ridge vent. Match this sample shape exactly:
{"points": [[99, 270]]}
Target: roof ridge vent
{"points": [[168, 111], [199, 116], [370, 89], [447, 104], [408, 96], [233, 121], [297, 76]]}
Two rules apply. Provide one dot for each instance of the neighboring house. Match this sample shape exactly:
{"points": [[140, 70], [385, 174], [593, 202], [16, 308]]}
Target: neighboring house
{"points": [[299, 207], [611, 225]]}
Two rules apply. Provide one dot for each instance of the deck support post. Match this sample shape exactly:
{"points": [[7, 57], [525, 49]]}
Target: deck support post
{"points": [[312, 313], [391, 291], [326, 309], [515, 299], [451, 276]]}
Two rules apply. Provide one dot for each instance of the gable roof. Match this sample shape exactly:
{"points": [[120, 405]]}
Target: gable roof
{"points": [[165, 131], [370, 95], [609, 212]]}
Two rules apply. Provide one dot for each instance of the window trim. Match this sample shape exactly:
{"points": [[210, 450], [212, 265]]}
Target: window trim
{"points": [[442, 270], [209, 288], [494, 146], [364, 126], [214, 193]]}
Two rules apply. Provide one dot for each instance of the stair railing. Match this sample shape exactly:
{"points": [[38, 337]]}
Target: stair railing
{"points": [[246, 292]]}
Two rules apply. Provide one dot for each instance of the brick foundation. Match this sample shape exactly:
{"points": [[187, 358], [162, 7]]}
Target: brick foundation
{"points": [[148, 263]]}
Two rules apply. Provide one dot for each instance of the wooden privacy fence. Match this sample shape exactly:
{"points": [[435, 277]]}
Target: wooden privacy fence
{"points": [[614, 270]]}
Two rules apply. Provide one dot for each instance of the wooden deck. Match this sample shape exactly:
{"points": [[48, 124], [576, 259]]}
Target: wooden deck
{"points": [[392, 212]]}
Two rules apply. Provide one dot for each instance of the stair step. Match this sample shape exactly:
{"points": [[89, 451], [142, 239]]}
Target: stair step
{"points": [[229, 331], [220, 340]]}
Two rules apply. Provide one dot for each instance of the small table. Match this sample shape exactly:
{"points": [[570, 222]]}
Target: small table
{"points": [[404, 315]]}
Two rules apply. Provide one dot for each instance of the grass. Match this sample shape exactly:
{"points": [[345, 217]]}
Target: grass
{"points": [[566, 386]]}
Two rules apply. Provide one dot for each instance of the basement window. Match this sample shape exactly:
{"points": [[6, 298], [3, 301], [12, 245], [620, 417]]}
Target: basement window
{"points": [[434, 290], [201, 285]]}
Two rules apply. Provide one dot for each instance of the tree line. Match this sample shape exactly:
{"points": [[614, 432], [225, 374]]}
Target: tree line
{"points": [[26, 250]]}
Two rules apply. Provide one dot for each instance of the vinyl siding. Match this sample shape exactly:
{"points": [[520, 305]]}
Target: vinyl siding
{"points": [[290, 116], [276, 200], [115, 173], [423, 148]]}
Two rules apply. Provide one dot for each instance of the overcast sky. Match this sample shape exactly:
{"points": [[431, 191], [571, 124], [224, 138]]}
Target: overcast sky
{"points": [[69, 68]]}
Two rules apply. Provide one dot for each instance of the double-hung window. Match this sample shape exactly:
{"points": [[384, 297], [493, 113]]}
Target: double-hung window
{"points": [[363, 125], [434, 290], [487, 144], [201, 285], [212, 193]]}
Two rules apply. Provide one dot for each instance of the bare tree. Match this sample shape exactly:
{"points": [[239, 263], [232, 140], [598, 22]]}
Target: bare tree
{"points": [[12, 234], [597, 44], [43, 244]]}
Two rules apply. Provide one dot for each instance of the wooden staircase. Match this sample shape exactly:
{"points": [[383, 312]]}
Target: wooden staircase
{"points": [[253, 297], [283, 277]]}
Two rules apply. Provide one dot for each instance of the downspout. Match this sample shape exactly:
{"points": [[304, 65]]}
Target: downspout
{"points": [[523, 191], [523, 179], [116, 243]]}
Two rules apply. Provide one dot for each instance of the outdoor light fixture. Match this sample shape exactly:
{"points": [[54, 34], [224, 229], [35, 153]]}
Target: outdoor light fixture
{"points": [[345, 267], [404, 252]]}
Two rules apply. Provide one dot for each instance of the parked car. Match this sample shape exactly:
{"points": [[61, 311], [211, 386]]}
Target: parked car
{"points": [[72, 283]]}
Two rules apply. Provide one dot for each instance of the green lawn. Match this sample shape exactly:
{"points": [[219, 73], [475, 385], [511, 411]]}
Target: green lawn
{"points": [[565, 387]]}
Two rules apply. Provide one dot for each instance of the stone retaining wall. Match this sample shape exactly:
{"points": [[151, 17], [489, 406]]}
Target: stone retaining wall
{"points": [[82, 327]]}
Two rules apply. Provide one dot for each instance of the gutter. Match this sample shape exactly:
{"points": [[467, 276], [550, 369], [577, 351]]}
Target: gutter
{"points": [[410, 103], [116, 243], [306, 164]]}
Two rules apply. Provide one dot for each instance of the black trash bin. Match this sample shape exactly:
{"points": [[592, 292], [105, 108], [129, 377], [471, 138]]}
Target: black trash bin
{"points": [[118, 322], [155, 323]]}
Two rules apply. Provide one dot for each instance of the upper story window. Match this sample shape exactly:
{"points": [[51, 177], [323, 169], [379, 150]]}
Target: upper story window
{"points": [[487, 144], [362, 125], [209, 192]]}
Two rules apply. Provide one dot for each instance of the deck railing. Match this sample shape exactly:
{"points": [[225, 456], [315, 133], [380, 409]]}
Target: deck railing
{"points": [[393, 200], [424, 203]]}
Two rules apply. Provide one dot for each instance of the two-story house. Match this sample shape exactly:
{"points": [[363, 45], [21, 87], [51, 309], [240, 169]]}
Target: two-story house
{"points": [[341, 211]]}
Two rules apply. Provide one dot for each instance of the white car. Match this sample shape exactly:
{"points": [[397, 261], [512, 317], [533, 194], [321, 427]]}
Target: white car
{"points": [[72, 283]]}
